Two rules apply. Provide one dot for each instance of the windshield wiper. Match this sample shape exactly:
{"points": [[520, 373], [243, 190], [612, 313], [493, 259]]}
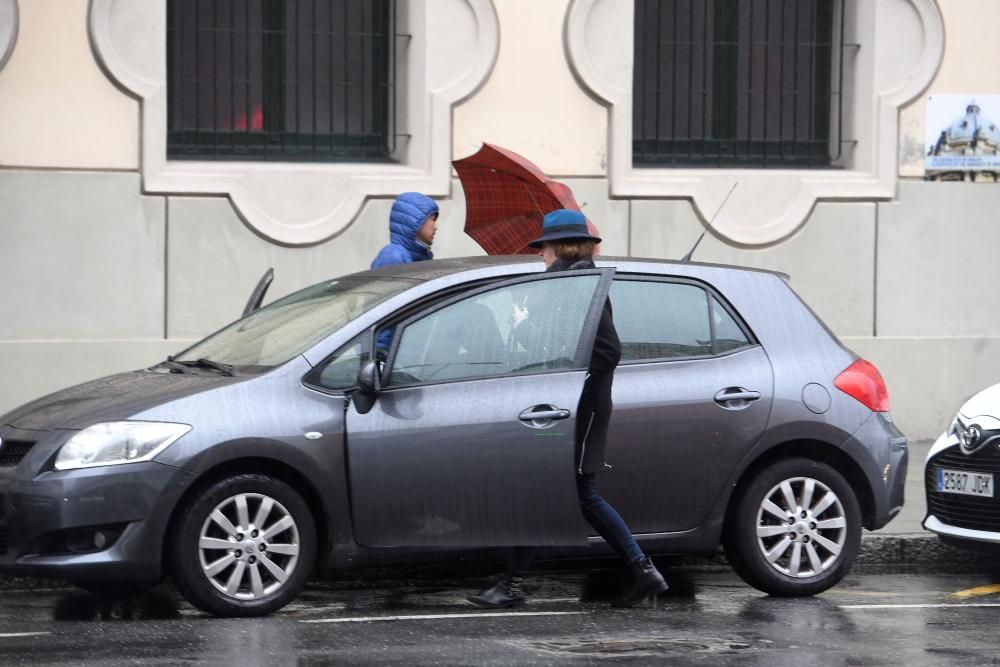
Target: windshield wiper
{"points": [[208, 363], [173, 365]]}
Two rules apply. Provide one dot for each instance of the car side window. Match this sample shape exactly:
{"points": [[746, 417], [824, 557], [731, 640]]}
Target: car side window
{"points": [[528, 327], [340, 371], [668, 320]]}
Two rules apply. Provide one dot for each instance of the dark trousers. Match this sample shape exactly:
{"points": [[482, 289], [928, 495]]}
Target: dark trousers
{"points": [[599, 514]]}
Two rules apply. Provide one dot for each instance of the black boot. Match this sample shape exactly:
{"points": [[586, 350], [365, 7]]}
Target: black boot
{"points": [[505, 593], [647, 582]]}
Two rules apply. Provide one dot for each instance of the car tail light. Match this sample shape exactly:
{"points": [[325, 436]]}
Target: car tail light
{"points": [[862, 381]]}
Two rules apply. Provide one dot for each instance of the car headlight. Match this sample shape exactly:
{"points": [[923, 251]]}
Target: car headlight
{"points": [[114, 443]]}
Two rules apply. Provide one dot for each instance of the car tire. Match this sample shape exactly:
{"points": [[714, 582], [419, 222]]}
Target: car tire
{"points": [[786, 547], [266, 565]]}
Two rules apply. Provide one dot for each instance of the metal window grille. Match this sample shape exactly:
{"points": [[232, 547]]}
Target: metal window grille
{"points": [[280, 80], [737, 83]]}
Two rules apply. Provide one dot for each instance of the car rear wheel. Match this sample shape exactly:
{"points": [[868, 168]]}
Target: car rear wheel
{"points": [[795, 528], [244, 546]]}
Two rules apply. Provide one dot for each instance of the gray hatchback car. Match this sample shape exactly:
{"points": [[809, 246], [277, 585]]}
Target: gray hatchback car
{"points": [[291, 440]]}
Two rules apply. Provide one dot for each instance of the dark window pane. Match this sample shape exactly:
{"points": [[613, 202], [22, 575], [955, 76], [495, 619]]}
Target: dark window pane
{"points": [[279, 79], [657, 320], [734, 82]]}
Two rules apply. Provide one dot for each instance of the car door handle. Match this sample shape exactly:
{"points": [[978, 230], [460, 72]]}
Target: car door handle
{"points": [[729, 395], [543, 413]]}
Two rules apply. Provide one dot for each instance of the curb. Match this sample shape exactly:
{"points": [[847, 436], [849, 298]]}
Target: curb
{"points": [[916, 553], [924, 551]]}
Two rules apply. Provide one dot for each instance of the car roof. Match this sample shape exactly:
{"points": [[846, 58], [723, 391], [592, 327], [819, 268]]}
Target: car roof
{"points": [[437, 268]]}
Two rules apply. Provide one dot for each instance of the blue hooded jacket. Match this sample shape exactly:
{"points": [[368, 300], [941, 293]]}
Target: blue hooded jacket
{"points": [[407, 215]]}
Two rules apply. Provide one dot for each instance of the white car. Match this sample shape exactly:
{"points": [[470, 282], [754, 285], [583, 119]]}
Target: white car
{"points": [[961, 473]]}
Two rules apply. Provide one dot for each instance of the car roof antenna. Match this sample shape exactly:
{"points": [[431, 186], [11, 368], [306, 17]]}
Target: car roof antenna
{"points": [[687, 257]]}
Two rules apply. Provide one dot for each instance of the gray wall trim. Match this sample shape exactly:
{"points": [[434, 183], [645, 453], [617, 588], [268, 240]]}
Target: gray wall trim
{"points": [[8, 29]]}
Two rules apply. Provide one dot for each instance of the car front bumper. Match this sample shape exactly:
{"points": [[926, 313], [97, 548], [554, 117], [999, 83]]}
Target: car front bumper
{"points": [[935, 525], [90, 524], [957, 516]]}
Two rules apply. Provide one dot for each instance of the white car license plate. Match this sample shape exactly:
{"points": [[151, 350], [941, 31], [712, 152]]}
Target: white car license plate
{"points": [[965, 483]]}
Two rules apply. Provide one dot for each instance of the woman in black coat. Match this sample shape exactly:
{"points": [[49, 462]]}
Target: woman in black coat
{"points": [[566, 245]]}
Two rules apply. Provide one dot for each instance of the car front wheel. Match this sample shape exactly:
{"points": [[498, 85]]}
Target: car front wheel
{"points": [[244, 546], [795, 528]]}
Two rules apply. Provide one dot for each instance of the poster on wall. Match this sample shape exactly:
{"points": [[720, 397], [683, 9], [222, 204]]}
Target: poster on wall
{"points": [[963, 140]]}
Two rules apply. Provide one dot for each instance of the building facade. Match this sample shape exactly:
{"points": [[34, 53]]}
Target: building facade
{"points": [[157, 156]]}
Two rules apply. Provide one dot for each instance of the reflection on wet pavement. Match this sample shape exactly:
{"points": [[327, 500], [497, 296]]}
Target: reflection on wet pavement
{"points": [[707, 618], [84, 606]]}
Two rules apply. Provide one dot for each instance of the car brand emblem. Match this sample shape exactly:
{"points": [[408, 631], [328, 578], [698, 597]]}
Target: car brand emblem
{"points": [[970, 439]]}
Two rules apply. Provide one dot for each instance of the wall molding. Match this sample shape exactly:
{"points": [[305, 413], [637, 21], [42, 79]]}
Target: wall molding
{"points": [[9, 22], [305, 203], [768, 204]]}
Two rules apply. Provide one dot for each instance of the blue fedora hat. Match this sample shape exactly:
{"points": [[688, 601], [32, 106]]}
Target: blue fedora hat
{"points": [[562, 225]]}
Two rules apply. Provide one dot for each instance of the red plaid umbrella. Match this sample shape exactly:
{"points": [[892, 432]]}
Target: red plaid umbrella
{"points": [[506, 197]]}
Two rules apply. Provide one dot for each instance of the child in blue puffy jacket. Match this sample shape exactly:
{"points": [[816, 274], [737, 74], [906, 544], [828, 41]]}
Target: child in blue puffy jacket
{"points": [[412, 223]]}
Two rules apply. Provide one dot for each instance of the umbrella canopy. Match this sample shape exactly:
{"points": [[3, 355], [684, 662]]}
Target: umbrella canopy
{"points": [[506, 197]]}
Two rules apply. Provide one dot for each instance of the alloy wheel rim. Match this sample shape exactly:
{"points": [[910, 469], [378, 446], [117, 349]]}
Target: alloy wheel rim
{"points": [[248, 546], [801, 527]]}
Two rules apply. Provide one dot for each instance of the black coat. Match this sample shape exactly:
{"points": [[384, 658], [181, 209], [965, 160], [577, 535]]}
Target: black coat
{"points": [[593, 412]]}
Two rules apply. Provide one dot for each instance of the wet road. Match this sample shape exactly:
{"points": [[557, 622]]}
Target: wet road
{"points": [[708, 618]]}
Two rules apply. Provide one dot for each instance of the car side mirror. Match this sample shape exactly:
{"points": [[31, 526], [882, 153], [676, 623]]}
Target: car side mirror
{"points": [[369, 377], [369, 384]]}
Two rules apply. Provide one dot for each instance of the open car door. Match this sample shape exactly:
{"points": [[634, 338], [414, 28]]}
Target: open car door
{"points": [[470, 439]]}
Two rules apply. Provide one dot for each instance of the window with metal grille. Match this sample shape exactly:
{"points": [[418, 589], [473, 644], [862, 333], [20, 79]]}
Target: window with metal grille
{"points": [[737, 83], [280, 80]]}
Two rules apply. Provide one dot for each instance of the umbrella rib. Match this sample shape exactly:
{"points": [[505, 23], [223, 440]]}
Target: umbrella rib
{"points": [[533, 200]]}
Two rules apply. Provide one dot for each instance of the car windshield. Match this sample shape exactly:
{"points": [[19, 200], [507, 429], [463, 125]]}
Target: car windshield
{"points": [[288, 327]]}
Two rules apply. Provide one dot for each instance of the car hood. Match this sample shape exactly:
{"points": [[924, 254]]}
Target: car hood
{"points": [[984, 404], [110, 398]]}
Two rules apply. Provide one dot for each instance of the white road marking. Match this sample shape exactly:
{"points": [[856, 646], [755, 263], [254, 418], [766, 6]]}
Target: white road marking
{"points": [[22, 634], [421, 617], [952, 605]]}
